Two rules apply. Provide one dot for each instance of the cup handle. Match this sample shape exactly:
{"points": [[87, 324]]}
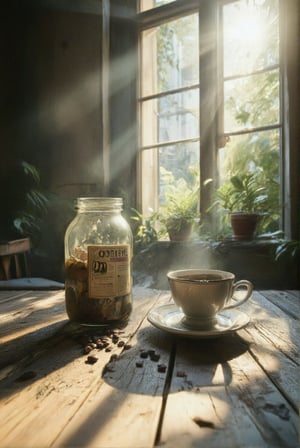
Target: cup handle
{"points": [[238, 301]]}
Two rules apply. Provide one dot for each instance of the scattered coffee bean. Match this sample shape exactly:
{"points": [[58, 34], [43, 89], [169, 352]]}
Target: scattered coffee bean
{"points": [[203, 423], [139, 364], [91, 359], [144, 354], [154, 356], [113, 358], [127, 346], [161, 368], [88, 349], [103, 341]]}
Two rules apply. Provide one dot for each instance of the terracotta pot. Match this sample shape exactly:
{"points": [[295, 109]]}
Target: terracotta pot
{"points": [[183, 234], [244, 225]]}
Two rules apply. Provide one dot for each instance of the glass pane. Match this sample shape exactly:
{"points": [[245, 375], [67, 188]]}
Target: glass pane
{"points": [[176, 162], [251, 101], [149, 186], [170, 56], [256, 152], [251, 36], [149, 4], [171, 117], [166, 166]]}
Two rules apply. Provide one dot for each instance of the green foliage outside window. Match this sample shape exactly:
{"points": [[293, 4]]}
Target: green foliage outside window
{"points": [[251, 104]]}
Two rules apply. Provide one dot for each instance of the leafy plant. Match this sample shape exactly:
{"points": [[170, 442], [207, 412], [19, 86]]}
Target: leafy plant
{"points": [[180, 207], [31, 204], [243, 193], [145, 232], [178, 211], [288, 250]]}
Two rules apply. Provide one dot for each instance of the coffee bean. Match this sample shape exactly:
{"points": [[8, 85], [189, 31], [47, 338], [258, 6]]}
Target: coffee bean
{"points": [[88, 349], [121, 344], [161, 368], [154, 357], [139, 364], [144, 354], [127, 346], [91, 359]]}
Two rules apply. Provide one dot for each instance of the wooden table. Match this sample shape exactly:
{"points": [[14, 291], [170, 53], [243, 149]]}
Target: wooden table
{"points": [[238, 390]]}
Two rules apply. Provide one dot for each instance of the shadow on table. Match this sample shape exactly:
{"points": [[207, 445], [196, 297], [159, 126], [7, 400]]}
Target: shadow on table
{"points": [[132, 376], [158, 359]]}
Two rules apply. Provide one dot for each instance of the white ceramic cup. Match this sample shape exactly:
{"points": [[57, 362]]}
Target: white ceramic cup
{"points": [[202, 293]]}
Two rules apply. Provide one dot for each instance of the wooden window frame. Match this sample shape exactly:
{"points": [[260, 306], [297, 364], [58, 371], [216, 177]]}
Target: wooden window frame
{"points": [[212, 135]]}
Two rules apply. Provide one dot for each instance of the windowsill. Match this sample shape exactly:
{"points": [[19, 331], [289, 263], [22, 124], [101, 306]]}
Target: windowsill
{"points": [[252, 260]]}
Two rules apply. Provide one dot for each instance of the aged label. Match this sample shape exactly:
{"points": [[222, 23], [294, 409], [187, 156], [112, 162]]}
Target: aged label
{"points": [[108, 271]]}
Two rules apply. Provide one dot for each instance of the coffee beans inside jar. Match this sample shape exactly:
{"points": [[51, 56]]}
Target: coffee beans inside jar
{"points": [[98, 253]]}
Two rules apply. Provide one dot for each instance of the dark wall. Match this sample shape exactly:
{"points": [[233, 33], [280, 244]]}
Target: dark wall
{"points": [[51, 109]]}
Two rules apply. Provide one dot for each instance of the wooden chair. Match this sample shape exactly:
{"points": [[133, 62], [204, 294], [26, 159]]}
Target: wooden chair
{"points": [[13, 256]]}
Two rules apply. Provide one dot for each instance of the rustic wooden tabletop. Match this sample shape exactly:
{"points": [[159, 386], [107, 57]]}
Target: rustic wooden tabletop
{"points": [[142, 386]]}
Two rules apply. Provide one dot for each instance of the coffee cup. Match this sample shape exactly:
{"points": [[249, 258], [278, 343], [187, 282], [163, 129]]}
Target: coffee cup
{"points": [[202, 293]]}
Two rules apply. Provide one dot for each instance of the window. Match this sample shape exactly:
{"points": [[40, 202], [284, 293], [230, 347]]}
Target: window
{"points": [[211, 98], [170, 105], [149, 4]]}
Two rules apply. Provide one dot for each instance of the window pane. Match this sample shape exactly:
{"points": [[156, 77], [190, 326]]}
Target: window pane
{"points": [[171, 117], [251, 36], [149, 4], [251, 101], [259, 152], [250, 151], [170, 56], [176, 162], [165, 166]]}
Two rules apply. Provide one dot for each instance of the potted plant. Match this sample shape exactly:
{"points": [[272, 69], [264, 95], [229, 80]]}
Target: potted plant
{"points": [[144, 232], [180, 210], [246, 201], [25, 204]]}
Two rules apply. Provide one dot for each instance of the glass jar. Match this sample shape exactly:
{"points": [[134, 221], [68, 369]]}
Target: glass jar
{"points": [[98, 254]]}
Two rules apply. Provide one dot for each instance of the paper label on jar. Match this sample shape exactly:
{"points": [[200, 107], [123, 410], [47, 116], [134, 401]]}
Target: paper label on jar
{"points": [[108, 271]]}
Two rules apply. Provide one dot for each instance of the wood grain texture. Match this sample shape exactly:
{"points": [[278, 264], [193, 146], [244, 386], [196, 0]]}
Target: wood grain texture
{"points": [[147, 387], [62, 383]]}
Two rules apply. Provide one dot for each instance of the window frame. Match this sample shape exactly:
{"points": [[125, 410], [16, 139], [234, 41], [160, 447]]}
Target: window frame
{"points": [[213, 136]]}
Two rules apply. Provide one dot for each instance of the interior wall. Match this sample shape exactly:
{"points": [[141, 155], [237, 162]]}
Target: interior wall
{"points": [[64, 68], [50, 89]]}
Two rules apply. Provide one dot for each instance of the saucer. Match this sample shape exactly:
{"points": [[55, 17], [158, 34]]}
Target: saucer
{"points": [[169, 318]]}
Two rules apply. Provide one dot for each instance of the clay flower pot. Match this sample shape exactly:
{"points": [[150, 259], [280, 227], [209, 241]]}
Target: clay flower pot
{"points": [[244, 225], [183, 233]]}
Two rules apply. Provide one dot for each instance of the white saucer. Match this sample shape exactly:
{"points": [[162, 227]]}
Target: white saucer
{"points": [[169, 318]]}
